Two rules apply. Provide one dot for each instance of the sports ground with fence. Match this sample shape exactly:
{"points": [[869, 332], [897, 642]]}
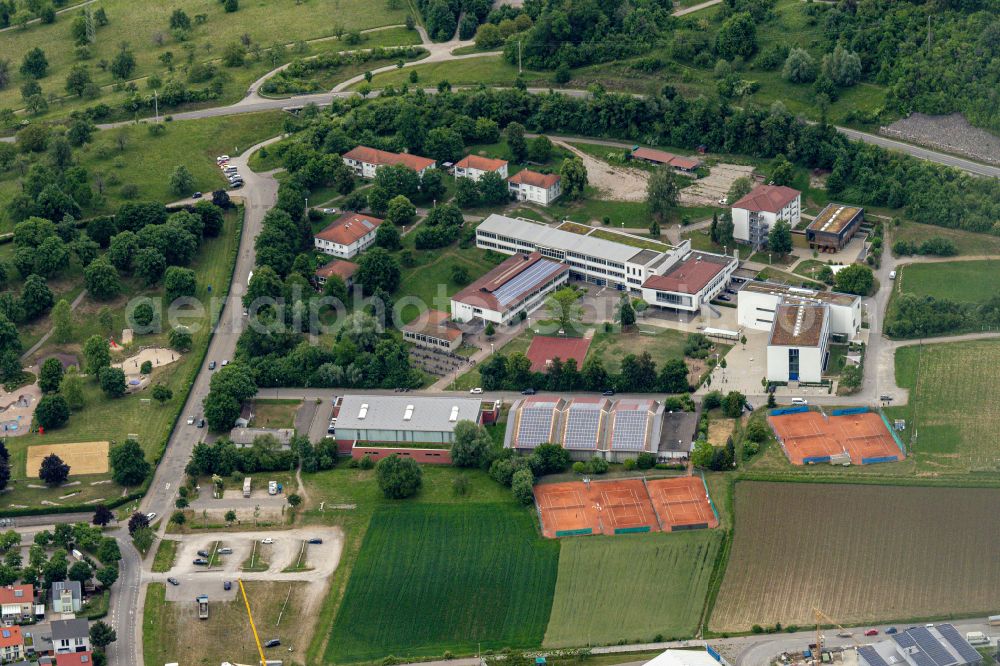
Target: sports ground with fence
{"points": [[624, 506], [855, 435]]}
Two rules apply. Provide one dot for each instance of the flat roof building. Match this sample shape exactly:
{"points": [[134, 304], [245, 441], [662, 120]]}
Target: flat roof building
{"points": [[433, 329], [796, 350], [834, 227], [756, 303], [518, 285], [407, 418]]}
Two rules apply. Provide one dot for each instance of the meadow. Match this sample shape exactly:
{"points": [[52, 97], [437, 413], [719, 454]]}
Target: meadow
{"points": [[602, 596], [431, 578], [662, 344], [968, 281], [966, 242], [861, 553], [952, 420]]}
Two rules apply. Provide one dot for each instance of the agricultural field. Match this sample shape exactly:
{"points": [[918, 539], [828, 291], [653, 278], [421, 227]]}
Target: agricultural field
{"points": [[431, 578], [952, 418], [601, 596], [861, 553], [967, 281]]}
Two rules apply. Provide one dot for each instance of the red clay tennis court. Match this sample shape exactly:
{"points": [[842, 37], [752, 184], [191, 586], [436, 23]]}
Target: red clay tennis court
{"points": [[811, 437], [623, 506], [682, 503]]}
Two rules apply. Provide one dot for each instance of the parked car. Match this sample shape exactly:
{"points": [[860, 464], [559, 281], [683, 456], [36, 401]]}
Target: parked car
{"points": [[190, 420], [871, 632], [799, 401], [201, 423], [722, 201], [226, 585], [723, 297], [528, 391], [173, 581], [203, 553], [267, 540], [225, 362], [274, 642], [196, 195], [226, 551], [151, 516], [236, 185], [891, 630], [608, 392], [315, 540], [222, 158], [201, 561], [211, 365], [476, 391]]}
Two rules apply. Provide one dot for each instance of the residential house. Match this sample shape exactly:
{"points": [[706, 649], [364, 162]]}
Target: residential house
{"points": [[17, 603], [11, 643], [365, 161], [345, 270], [75, 659], [755, 214], [474, 166], [348, 235], [70, 636], [542, 188], [67, 596]]}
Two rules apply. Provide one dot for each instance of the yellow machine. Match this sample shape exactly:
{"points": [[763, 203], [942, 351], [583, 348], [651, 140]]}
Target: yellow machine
{"points": [[253, 627]]}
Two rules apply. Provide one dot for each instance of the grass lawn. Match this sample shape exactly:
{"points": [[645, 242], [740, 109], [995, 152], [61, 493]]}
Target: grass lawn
{"points": [[166, 553], [631, 214], [775, 275], [966, 242], [661, 343], [325, 79], [952, 407], [429, 282], [810, 268], [142, 25], [103, 418], [968, 281], [275, 413], [431, 578], [489, 70], [600, 599], [147, 161], [519, 345]]}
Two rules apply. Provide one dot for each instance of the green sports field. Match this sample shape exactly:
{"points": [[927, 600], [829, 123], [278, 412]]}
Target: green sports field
{"points": [[631, 588], [437, 577]]}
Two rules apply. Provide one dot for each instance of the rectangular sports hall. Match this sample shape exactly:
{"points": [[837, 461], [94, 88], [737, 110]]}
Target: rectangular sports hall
{"points": [[624, 506], [856, 435]]}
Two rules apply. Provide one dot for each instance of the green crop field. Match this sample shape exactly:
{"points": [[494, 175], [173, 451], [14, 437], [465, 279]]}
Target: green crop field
{"points": [[860, 553], [953, 405], [969, 281], [603, 597], [435, 577]]}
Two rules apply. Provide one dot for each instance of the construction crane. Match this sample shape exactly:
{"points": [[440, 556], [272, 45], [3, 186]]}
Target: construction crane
{"points": [[253, 627], [820, 618]]}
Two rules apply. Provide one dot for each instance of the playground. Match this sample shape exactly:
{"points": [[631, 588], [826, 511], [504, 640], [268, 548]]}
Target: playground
{"points": [[82, 457], [847, 436], [158, 356], [623, 506], [17, 409]]}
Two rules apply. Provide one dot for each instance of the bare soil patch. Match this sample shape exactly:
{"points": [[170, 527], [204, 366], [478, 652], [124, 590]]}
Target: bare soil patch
{"points": [[708, 190], [82, 457], [614, 182]]}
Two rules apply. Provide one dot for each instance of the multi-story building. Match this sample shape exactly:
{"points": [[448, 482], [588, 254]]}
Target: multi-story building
{"points": [[758, 211], [757, 302], [796, 350], [663, 275], [17, 603], [67, 596], [348, 235], [540, 188], [365, 161], [834, 227], [11, 644], [511, 290], [474, 166], [70, 636]]}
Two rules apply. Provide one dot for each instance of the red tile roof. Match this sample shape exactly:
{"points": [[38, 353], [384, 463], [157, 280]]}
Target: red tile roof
{"points": [[690, 275], [535, 179], [434, 323], [349, 228], [75, 659], [17, 594], [384, 157], [480, 163], [545, 348], [483, 292], [345, 270], [661, 157], [10, 636], [767, 198]]}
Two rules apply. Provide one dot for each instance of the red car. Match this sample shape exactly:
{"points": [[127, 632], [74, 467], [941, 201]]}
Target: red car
{"points": [[871, 632]]}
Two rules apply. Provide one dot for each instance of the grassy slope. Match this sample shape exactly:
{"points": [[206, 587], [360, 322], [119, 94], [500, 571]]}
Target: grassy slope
{"points": [[970, 281], [491, 70], [601, 599], [432, 577], [966, 242], [430, 281]]}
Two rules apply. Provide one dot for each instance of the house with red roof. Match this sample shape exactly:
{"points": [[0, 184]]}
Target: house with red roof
{"points": [[474, 166], [11, 643], [365, 161], [75, 659], [540, 188], [348, 235], [17, 603], [758, 211], [345, 270], [661, 158], [689, 282]]}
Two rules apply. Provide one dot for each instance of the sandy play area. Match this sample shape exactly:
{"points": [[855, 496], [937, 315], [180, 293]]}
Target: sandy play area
{"points": [[82, 457], [17, 409], [157, 355]]}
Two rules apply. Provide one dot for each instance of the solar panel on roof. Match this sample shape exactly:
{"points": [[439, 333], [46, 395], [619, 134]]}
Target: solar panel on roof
{"points": [[629, 430], [535, 426], [904, 640], [932, 646], [968, 653], [920, 657], [871, 657], [524, 280], [581, 427]]}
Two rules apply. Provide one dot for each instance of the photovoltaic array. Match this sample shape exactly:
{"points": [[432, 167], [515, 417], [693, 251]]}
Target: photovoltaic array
{"points": [[629, 432], [583, 426], [535, 426]]}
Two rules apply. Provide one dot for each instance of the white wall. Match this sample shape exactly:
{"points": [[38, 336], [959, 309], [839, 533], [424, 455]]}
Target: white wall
{"points": [[810, 363], [755, 310], [741, 224]]}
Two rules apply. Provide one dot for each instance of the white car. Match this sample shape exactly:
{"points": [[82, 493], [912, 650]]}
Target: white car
{"points": [[190, 420], [222, 158], [225, 362], [268, 540], [799, 401], [476, 391], [151, 516]]}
